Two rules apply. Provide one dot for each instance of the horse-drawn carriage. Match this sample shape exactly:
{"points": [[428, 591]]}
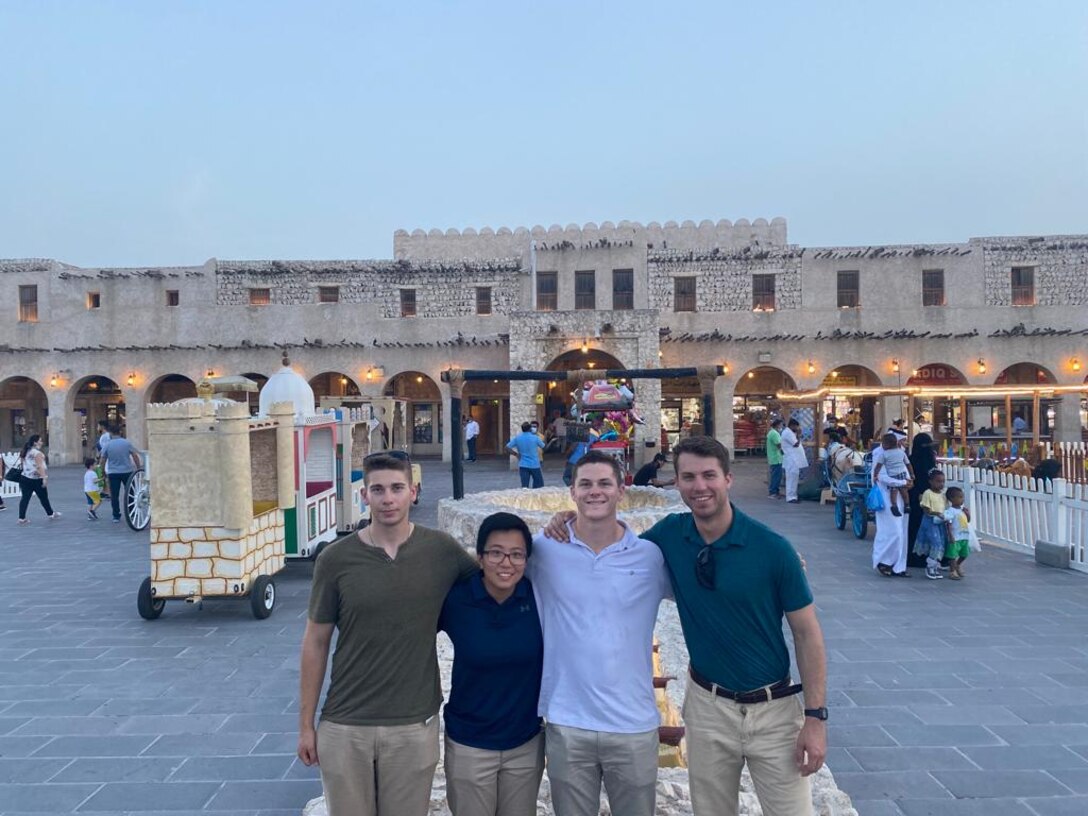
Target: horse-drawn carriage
{"points": [[850, 475]]}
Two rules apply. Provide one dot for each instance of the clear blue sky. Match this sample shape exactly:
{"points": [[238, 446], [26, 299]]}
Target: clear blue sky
{"points": [[168, 132]]}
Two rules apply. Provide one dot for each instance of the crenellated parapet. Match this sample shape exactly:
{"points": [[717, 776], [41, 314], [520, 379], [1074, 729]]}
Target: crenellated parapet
{"points": [[504, 243]]}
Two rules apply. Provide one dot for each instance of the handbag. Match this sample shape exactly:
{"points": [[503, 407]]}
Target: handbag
{"points": [[14, 474], [875, 500]]}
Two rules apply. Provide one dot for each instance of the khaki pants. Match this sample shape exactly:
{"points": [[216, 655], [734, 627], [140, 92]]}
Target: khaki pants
{"points": [[494, 783], [723, 735], [377, 770], [579, 760]]}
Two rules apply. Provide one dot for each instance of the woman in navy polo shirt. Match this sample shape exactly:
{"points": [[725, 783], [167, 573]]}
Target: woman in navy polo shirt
{"points": [[494, 743]]}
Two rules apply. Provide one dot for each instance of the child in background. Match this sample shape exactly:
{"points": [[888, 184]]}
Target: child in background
{"points": [[90, 488], [894, 464], [959, 517], [931, 533]]}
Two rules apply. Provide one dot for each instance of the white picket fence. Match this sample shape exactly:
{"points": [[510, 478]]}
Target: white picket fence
{"points": [[1019, 511]]}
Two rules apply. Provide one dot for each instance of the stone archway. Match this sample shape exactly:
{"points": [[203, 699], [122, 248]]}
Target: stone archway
{"points": [[556, 395], [24, 409], [754, 402], [333, 384], [858, 413], [90, 400], [1025, 374], [171, 388], [424, 410]]}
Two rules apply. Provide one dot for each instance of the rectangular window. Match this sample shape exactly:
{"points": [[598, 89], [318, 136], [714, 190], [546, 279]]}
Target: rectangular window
{"points": [[173, 297], [1023, 286], [260, 297], [483, 300], [328, 294], [547, 291], [933, 287], [623, 289], [763, 293], [848, 290], [407, 302], [28, 304], [585, 290], [683, 294], [423, 420], [94, 300]]}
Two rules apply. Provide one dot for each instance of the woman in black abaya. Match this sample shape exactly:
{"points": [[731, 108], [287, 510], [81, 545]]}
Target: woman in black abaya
{"points": [[923, 459]]}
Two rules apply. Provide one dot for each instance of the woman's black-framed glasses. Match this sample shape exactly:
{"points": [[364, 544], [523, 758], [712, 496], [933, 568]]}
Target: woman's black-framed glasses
{"points": [[496, 557], [705, 568]]}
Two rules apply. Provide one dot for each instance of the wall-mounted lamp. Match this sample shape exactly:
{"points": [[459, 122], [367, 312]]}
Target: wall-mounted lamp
{"points": [[725, 368], [591, 364], [660, 354], [419, 378], [1075, 364], [981, 366], [211, 372], [131, 379], [53, 381], [343, 381], [585, 347], [751, 375], [375, 372], [895, 364], [811, 367]]}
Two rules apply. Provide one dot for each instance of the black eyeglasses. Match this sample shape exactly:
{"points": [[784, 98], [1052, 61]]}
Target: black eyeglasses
{"points": [[705, 568]]}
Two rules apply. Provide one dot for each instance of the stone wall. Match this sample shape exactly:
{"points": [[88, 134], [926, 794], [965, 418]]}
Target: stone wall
{"points": [[1060, 264], [189, 561], [724, 279], [506, 243]]}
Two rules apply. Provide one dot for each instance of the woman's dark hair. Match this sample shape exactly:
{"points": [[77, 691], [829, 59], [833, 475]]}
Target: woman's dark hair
{"points": [[30, 444], [499, 523]]}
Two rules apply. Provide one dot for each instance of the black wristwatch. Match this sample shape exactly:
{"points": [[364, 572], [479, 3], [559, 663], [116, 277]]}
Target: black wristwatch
{"points": [[817, 713]]}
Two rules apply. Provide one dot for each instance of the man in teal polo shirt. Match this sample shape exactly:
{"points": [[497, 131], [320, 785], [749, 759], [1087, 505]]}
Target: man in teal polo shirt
{"points": [[734, 579]]}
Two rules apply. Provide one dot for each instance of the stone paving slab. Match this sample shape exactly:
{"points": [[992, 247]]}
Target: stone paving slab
{"points": [[958, 698]]}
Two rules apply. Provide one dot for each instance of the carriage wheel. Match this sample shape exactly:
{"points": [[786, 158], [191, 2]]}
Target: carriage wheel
{"points": [[262, 597], [840, 513], [137, 500], [860, 517], [147, 604]]}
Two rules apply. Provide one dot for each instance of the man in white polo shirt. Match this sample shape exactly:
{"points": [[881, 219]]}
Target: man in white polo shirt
{"points": [[597, 598]]}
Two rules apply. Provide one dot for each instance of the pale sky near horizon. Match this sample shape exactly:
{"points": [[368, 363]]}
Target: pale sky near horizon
{"points": [[169, 132]]}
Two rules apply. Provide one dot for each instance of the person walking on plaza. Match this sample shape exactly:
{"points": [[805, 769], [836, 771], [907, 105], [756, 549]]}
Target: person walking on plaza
{"points": [[35, 479], [472, 433], [734, 580], [598, 598], [381, 589], [958, 518], [923, 459], [774, 459], [494, 742], [91, 488], [793, 456], [122, 461], [527, 446]]}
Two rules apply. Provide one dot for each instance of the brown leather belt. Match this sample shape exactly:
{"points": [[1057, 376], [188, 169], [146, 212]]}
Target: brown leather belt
{"points": [[782, 688]]}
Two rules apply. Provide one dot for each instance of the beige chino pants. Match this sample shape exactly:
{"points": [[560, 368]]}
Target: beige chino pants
{"points": [[378, 770], [722, 735], [494, 783]]}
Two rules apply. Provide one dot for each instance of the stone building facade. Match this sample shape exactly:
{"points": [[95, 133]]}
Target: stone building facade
{"points": [[82, 343]]}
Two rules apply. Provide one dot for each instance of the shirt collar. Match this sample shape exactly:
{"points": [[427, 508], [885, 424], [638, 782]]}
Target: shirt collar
{"points": [[734, 536], [623, 543], [481, 595]]}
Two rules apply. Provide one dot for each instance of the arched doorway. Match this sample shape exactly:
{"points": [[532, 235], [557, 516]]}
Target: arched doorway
{"points": [[333, 384], [171, 388], [554, 397], [754, 400], [1026, 412], [858, 413], [488, 401], [91, 400], [424, 410], [24, 409], [933, 413]]}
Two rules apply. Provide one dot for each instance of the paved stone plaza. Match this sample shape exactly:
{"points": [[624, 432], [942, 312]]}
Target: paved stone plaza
{"points": [[947, 698]]}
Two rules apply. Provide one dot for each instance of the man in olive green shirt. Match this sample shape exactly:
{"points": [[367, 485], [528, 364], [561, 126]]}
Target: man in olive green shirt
{"points": [[774, 458], [382, 589]]}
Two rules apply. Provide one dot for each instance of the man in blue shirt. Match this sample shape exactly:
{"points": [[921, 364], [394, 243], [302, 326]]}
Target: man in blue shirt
{"points": [[527, 445]]}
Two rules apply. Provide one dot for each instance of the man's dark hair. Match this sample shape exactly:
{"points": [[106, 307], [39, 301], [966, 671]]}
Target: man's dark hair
{"points": [[525, 426], [952, 492], [793, 422], [660, 457], [776, 422], [499, 523], [387, 460], [704, 446], [88, 461], [104, 423], [596, 457]]}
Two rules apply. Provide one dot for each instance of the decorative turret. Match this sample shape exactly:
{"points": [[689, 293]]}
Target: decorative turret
{"points": [[287, 385]]}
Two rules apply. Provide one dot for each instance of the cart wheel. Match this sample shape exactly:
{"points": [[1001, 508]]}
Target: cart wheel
{"points": [[318, 550], [147, 604], [840, 513], [137, 501], [860, 517], [262, 597]]}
